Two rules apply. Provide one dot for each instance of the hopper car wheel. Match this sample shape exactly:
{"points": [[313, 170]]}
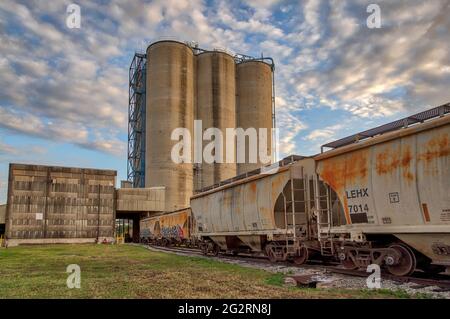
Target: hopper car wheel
{"points": [[270, 253], [204, 248], [348, 263], [407, 262], [302, 256], [216, 250]]}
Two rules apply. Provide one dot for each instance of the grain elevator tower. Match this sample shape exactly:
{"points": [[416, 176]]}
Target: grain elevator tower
{"points": [[179, 83]]}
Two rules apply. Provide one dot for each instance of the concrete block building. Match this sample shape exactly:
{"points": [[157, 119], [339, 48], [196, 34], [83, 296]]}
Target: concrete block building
{"points": [[49, 204], [52, 204]]}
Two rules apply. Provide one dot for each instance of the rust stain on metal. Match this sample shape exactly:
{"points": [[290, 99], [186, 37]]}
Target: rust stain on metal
{"points": [[333, 173], [346, 212], [276, 184], [227, 199], [357, 167], [338, 172], [407, 157], [391, 160], [426, 213], [406, 163], [438, 146], [252, 192], [387, 161]]}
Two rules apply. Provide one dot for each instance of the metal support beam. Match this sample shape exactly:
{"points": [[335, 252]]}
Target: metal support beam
{"points": [[136, 121]]}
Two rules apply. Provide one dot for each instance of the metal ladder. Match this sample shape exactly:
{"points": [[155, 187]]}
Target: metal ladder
{"points": [[293, 201], [323, 226]]}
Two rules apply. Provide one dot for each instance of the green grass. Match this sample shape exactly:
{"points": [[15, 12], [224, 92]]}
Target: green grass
{"points": [[123, 271], [275, 279]]}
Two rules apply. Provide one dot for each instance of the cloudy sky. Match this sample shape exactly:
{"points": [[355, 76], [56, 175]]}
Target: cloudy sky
{"points": [[64, 93]]}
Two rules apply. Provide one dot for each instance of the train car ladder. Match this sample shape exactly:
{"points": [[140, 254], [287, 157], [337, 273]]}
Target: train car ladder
{"points": [[324, 218], [292, 204], [297, 207]]}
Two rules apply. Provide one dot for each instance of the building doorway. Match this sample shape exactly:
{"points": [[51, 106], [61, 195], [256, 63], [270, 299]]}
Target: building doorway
{"points": [[127, 227]]}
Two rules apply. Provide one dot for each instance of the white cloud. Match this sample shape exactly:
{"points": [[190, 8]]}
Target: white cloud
{"points": [[7, 149], [64, 131], [322, 136], [324, 56], [262, 3], [251, 24]]}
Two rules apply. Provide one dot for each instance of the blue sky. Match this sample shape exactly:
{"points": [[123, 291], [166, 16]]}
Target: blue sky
{"points": [[64, 94]]}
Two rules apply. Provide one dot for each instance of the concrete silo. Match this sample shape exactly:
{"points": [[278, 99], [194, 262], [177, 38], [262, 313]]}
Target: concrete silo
{"points": [[254, 105], [216, 107], [169, 105]]}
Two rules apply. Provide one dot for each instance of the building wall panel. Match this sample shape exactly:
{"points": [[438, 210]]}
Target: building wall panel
{"points": [[46, 202]]}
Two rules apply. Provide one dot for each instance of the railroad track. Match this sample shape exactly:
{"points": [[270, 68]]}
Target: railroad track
{"points": [[197, 252], [419, 278], [185, 250]]}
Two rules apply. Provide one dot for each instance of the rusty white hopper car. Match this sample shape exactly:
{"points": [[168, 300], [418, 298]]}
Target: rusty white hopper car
{"points": [[263, 212], [393, 196], [380, 197]]}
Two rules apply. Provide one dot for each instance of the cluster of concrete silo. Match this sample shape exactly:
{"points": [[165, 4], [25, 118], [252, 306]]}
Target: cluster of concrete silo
{"points": [[184, 85]]}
